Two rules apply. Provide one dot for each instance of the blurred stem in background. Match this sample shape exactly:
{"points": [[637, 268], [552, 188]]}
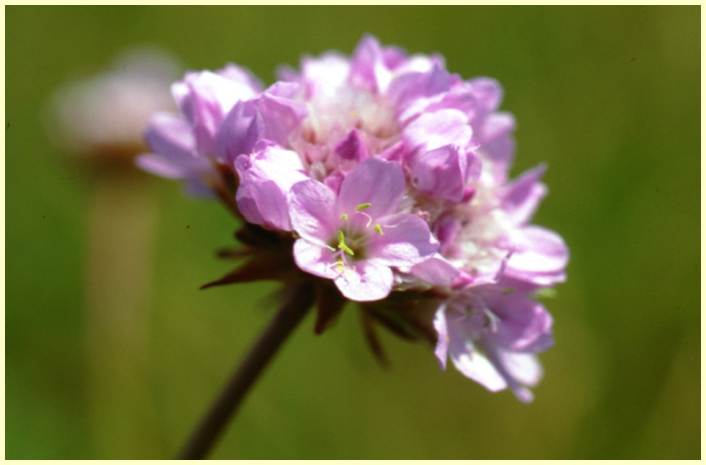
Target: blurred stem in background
{"points": [[101, 120], [121, 229]]}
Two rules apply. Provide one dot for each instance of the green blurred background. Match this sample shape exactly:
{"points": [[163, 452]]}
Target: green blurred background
{"points": [[608, 96]]}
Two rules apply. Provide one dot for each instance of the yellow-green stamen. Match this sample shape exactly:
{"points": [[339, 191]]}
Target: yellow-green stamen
{"points": [[343, 246], [363, 206], [378, 229]]}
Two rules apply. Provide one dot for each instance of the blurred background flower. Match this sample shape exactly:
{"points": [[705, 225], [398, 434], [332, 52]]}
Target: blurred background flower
{"points": [[608, 96], [99, 122], [106, 114]]}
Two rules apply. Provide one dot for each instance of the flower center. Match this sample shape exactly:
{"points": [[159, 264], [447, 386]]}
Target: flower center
{"points": [[351, 244], [351, 108], [332, 116], [351, 241]]}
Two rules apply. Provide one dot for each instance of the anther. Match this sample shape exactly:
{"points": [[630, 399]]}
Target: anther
{"points": [[342, 244]]}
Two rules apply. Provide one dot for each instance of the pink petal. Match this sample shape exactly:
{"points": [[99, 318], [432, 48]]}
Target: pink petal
{"points": [[523, 367], [374, 181], [540, 257], [438, 129], [352, 147], [497, 144], [525, 324], [413, 88], [365, 281], [311, 209], [174, 156], [247, 205], [323, 75], [281, 113], [522, 196], [368, 67], [241, 75], [520, 370], [436, 271], [315, 259], [476, 366], [406, 240], [205, 98], [240, 130], [266, 177], [271, 203], [160, 166], [170, 136], [442, 336], [487, 93], [444, 172]]}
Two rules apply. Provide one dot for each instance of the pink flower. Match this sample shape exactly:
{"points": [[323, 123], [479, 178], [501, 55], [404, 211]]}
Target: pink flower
{"points": [[359, 235], [379, 172], [491, 335], [184, 146], [539, 256], [442, 164], [266, 176]]}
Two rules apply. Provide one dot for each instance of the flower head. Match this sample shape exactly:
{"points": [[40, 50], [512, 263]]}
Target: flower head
{"points": [[386, 176], [104, 115]]}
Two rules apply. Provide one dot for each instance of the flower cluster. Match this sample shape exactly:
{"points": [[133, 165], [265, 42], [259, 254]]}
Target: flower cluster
{"points": [[387, 176]]}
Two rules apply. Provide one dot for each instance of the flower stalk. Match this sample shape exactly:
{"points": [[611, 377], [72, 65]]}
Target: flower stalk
{"points": [[121, 228], [297, 303]]}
